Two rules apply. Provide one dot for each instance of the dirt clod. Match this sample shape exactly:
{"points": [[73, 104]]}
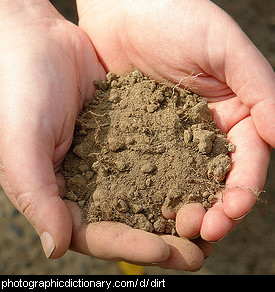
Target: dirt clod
{"points": [[140, 146]]}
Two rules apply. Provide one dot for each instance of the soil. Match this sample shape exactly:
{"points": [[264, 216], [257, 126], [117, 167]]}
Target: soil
{"points": [[141, 147], [248, 249]]}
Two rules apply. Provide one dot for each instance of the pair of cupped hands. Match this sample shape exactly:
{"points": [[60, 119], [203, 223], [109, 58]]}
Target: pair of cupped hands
{"points": [[47, 66]]}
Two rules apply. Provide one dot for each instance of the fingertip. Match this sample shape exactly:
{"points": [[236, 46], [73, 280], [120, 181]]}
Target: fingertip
{"points": [[48, 243], [216, 224], [189, 219], [167, 213], [50, 218], [204, 245], [238, 202], [184, 255], [58, 230]]}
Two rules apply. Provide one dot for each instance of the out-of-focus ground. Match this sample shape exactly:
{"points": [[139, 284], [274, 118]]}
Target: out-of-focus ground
{"points": [[248, 249]]}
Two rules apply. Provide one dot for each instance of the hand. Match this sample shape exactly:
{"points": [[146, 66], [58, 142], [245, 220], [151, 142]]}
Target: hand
{"points": [[45, 63], [174, 40], [47, 69]]}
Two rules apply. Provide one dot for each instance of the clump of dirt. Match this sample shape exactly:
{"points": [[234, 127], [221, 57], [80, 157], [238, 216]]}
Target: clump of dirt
{"points": [[141, 145]]}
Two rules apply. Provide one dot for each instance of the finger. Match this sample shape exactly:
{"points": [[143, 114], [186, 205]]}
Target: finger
{"points": [[184, 255], [252, 79], [115, 241], [33, 188], [205, 246], [168, 213], [189, 219], [216, 224], [249, 168]]}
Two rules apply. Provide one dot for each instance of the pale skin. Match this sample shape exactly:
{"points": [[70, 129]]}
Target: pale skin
{"points": [[47, 65]]}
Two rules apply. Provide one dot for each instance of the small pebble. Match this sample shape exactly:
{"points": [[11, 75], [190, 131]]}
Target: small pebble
{"points": [[160, 225], [187, 136], [114, 96], [121, 206], [100, 84], [136, 208], [122, 165], [148, 182], [148, 168], [152, 107], [143, 223], [231, 147], [115, 145]]}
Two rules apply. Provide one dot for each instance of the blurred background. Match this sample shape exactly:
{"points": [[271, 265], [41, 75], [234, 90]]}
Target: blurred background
{"points": [[249, 249]]}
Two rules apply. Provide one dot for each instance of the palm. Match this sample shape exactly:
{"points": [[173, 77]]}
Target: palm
{"points": [[176, 43]]}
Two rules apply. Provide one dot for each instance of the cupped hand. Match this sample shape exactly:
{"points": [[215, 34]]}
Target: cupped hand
{"points": [[198, 45], [47, 68], [46, 62]]}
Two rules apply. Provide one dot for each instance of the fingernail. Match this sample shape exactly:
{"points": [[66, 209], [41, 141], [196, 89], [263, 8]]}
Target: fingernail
{"points": [[194, 237], [219, 239], [241, 217], [47, 243]]}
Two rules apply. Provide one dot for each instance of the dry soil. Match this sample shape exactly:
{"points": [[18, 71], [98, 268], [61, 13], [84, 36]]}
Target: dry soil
{"points": [[248, 249], [141, 146]]}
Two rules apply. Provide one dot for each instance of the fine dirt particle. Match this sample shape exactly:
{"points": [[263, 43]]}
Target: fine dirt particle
{"points": [[140, 146]]}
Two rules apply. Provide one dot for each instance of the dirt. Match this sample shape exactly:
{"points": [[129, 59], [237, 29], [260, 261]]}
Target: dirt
{"points": [[141, 147], [248, 249]]}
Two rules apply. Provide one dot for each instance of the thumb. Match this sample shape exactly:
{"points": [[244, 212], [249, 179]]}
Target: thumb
{"points": [[34, 190]]}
